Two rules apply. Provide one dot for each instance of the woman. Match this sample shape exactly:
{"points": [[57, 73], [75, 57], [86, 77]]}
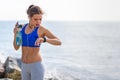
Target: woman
{"points": [[33, 34]]}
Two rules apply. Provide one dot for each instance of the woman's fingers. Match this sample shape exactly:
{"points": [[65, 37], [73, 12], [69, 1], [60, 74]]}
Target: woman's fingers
{"points": [[15, 28], [38, 41], [16, 24]]}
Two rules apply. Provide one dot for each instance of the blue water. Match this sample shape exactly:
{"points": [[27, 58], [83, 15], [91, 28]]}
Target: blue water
{"points": [[89, 50]]}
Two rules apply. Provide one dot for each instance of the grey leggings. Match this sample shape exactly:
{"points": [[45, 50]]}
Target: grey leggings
{"points": [[32, 71]]}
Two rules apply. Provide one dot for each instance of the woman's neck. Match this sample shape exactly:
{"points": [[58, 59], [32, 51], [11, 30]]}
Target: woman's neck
{"points": [[31, 26]]}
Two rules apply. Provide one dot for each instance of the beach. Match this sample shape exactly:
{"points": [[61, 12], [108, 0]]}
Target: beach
{"points": [[89, 50]]}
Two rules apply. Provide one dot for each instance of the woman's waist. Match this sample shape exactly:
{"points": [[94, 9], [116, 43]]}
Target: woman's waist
{"points": [[33, 63], [30, 55], [30, 62], [31, 58]]}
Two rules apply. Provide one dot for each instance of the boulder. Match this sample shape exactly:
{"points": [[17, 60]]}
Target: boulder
{"points": [[2, 70], [12, 68], [6, 79]]}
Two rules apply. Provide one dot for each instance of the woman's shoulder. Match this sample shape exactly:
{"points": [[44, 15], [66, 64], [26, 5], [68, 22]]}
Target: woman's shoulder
{"points": [[44, 29], [41, 27]]}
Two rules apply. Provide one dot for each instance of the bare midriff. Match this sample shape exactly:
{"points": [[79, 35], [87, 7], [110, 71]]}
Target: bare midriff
{"points": [[31, 54]]}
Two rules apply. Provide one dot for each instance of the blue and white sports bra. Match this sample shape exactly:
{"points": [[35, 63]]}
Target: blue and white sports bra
{"points": [[28, 40]]}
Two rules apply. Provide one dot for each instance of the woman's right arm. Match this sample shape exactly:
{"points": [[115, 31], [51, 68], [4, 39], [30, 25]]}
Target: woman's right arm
{"points": [[14, 41]]}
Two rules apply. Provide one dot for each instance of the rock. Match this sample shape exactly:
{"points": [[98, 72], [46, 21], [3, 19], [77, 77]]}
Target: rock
{"points": [[2, 70], [12, 68], [6, 79]]}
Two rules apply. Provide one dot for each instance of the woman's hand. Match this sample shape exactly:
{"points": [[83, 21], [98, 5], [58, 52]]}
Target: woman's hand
{"points": [[15, 28], [39, 41], [14, 42]]}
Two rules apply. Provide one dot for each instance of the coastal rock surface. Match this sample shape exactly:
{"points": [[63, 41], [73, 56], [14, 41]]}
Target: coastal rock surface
{"points": [[11, 69]]}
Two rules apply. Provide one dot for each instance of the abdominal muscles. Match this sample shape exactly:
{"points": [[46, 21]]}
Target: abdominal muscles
{"points": [[31, 54]]}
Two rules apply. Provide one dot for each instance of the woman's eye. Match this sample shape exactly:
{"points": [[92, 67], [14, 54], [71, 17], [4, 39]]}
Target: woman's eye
{"points": [[37, 19]]}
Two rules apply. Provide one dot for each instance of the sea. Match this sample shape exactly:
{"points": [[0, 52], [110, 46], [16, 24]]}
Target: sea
{"points": [[90, 50]]}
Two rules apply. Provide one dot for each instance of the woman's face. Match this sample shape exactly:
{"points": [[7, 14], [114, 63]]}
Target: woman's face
{"points": [[36, 19]]}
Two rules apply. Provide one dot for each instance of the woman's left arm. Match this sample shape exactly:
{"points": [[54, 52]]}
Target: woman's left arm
{"points": [[51, 38]]}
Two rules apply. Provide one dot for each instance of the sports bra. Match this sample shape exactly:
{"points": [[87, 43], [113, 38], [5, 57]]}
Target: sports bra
{"points": [[28, 40]]}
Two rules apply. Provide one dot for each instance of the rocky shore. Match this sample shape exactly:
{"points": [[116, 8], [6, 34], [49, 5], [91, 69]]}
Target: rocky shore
{"points": [[11, 69]]}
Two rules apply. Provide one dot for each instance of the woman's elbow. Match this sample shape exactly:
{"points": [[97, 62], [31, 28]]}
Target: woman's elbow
{"points": [[16, 48], [59, 43]]}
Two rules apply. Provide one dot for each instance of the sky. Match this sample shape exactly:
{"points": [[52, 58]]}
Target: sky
{"points": [[64, 10]]}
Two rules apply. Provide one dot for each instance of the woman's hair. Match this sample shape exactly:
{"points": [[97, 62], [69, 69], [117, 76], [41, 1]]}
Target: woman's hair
{"points": [[34, 10]]}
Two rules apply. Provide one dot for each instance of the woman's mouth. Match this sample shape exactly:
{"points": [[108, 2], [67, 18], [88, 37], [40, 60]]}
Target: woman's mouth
{"points": [[37, 24]]}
